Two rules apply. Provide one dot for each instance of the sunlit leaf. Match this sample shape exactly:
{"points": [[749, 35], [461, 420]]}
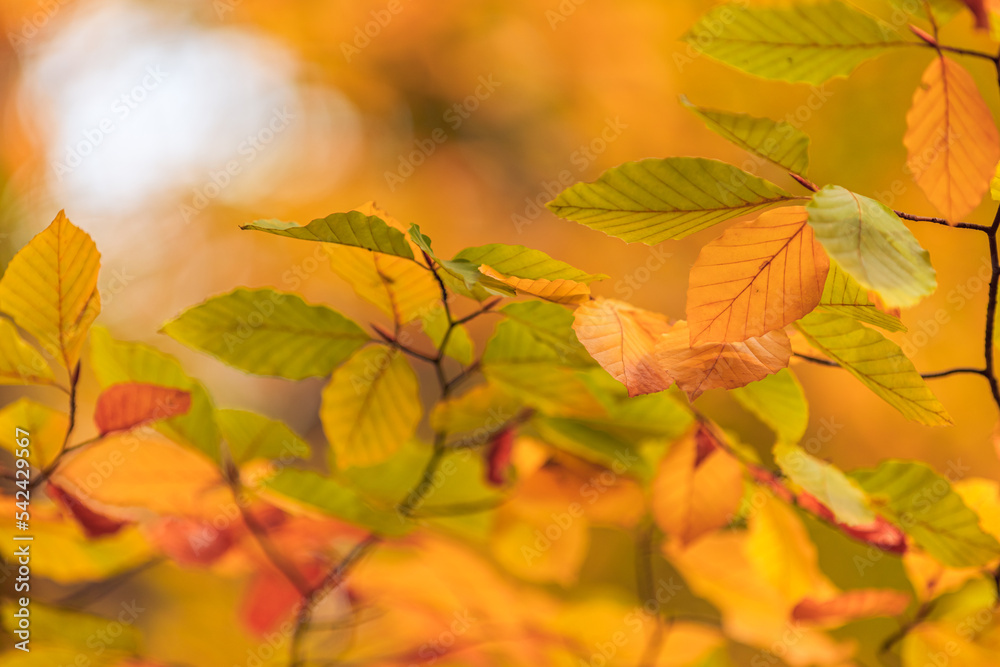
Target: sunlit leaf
{"points": [[50, 288], [925, 506], [252, 436], [658, 199], [877, 362], [46, 429], [839, 493], [115, 362], [328, 497], [705, 366], [535, 331], [459, 346], [757, 277], [779, 547], [371, 406], [807, 43], [697, 489], [124, 406], [556, 291], [461, 275], [778, 400], [550, 388], [20, 363], [951, 139], [871, 244], [844, 296], [353, 228], [520, 262], [622, 338], [777, 141], [269, 333]]}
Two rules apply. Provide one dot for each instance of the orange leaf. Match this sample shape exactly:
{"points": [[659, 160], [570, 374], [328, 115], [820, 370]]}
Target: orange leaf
{"points": [[94, 524], [621, 338], [978, 9], [696, 492], [757, 277], [705, 366], [851, 606], [122, 407], [560, 290], [951, 140]]}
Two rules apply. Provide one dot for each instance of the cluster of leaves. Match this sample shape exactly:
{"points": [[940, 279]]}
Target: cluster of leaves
{"points": [[575, 420]]}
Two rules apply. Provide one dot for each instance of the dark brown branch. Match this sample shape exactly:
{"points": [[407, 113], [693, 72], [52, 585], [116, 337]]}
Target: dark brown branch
{"points": [[926, 376]]}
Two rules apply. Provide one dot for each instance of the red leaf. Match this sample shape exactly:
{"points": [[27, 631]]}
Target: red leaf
{"points": [[124, 406], [93, 523], [192, 542], [498, 457], [879, 533], [271, 598], [978, 9], [850, 606]]}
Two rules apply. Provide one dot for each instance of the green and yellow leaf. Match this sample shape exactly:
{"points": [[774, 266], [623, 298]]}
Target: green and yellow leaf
{"points": [[843, 295], [559, 290], [20, 363], [352, 228], [779, 402], [826, 483], [252, 436]]}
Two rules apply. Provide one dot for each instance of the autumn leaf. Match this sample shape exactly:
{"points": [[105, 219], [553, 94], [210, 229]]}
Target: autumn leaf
{"points": [[699, 368], [370, 407], [94, 524], [850, 606], [697, 488], [844, 296], [20, 363], [779, 401], [50, 289], [951, 140], [871, 244], [654, 200], [757, 277], [978, 9], [353, 228], [843, 497], [622, 339], [778, 141], [559, 290], [809, 43], [122, 407], [46, 426]]}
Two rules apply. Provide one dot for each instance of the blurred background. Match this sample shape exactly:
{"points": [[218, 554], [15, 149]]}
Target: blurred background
{"points": [[162, 125]]}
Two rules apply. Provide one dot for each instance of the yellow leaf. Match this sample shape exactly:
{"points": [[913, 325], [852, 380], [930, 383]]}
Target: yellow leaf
{"points": [[697, 488], [951, 140], [46, 428], [129, 475], [621, 338], [705, 366], [560, 290], [757, 277], [50, 288], [371, 406], [19, 362]]}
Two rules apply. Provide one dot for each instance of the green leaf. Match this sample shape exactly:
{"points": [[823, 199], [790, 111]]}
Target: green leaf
{"points": [[52, 627], [779, 402], [521, 262], [661, 416], [252, 436], [459, 345], [536, 331], [658, 199], [877, 362], [549, 388], [334, 499], [117, 361], [352, 228], [826, 483], [581, 439], [370, 407], [843, 295], [269, 333], [924, 505], [870, 243], [778, 141], [20, 363], [943, 10], [461, 275], [808, 43]]}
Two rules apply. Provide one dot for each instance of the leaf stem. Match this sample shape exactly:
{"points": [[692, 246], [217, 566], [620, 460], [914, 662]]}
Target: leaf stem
{"points": [[645, 587]]}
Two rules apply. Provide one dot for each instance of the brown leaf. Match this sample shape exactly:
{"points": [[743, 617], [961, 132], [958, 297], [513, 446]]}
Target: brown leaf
{"points": [[851, 606], [622, 339], [124, 406], [951, 140], [705, 366], [757, 277]]}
